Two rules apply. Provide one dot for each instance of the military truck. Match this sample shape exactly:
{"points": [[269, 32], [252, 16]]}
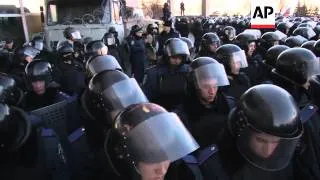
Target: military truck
{"points": [[92, 18]]}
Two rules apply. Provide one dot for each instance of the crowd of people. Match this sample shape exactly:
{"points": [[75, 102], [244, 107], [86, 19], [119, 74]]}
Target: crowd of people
{"points": [[206, 98]]}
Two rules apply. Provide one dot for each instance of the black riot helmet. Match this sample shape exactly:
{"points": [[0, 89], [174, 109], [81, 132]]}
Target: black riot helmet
{"points": [[66, 52], [28, 51], [297, 65], [37, 42], [317, 48], [309, 45], [96, 48], [177, 47], [295, 41], [317, 31], [266, 114], [232, 57], [39, 70], [229, 33], [205, 69], [98, 64], [153, 29], [269, 39], [308, 25], [71, 33], [113, 31], [210, 39], [109, 39], [314, 89], [244, 39], [115, 90], [305, 32], [191, 47], [9, 94], [294, 27], [14, 129], [284, 27], [138, 136], [273, 53]]}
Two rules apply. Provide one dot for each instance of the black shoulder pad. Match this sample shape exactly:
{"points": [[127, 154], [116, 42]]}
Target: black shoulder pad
{"points": [[190, 159], [47, 132], [231, 101], [206, 153], [307, 112], [76, 134]]}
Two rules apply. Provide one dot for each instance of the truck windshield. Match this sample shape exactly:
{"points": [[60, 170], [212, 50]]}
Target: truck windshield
{"points": [[68, 12]]}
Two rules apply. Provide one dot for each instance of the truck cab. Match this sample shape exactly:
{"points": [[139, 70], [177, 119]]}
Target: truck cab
{"points": [[92, 18]]}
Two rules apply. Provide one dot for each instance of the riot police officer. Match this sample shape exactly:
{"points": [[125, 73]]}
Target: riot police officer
{"points": [[209, 44], [309, 45], [191, 47], [100, 63], [270, 60], [70, 73], [27, 150], [305, 32], [165, 83], [206, 107], [137, 146], [317, 48], [7, 55], [266, 141], [295, 41], [229, 34], [289, 74], [268, 40], [43, 91], [96, 48], [248, 42], [167, 33], [114, 48], [10, 93], [26, 55], [233, 59], [137, 50], [109, 92], [73, 37], [263, 146]]}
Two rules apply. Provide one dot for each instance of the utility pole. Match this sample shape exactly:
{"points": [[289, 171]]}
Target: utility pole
{"points": [[204, 7], [24, 21]]}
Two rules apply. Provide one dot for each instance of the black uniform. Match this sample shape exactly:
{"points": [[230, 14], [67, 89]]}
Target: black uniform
{"points": [[165, 84], [30, 151], [137, 56], [236, 160]]}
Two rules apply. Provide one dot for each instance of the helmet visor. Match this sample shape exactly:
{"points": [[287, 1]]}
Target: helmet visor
{"points": [[213, 73], [159, 138], [265, 151], [124, 93]]}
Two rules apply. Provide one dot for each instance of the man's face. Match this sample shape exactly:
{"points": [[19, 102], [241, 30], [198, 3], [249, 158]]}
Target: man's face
{"points": [[263, 144], [39, 87], [175, 60], [103, 51], [139, 33], [235, 67], [213, 47], [275, 43], [9, 45], [153, 171], [251, 48], [166, 29], [28, 58], [208, 90]]}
